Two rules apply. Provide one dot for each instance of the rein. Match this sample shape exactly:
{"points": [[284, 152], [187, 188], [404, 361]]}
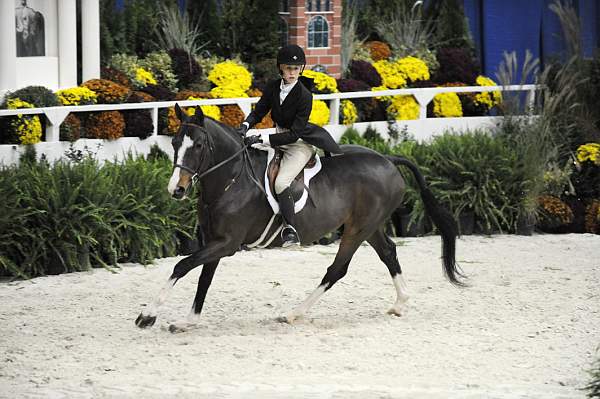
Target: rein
{"points": [[197, 176]]}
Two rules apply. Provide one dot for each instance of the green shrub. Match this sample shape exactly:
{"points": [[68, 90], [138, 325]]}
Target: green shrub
{"points": [[478, 172], [39, 96], [473, 172], [593, 387], [68, 217]]}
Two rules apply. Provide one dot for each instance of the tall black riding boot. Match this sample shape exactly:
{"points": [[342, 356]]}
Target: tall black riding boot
{"points": [[289, 235]]}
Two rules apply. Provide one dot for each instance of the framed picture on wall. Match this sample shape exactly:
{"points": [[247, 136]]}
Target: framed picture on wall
{"points": [[35, 23]]}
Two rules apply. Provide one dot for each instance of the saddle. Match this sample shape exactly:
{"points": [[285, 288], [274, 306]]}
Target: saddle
{"points": [[273, 170]]}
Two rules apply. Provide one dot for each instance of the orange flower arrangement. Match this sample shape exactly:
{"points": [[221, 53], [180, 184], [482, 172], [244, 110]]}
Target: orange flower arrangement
{"points": [[140, 97], [173, 122], [254, 92], [108, 92], [232, 115], [592, 217], [70, 129], [265, 123], [108, 125], [185, 94], [378, 50], [555, 213]]}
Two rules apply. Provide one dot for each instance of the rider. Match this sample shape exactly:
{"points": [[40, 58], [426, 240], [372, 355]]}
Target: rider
{"points": [[290, 104]]}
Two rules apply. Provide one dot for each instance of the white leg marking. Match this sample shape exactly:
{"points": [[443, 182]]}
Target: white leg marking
{"points": [[401, 296], [187, 143], [160, 299], [301, 310], [191, 322]]}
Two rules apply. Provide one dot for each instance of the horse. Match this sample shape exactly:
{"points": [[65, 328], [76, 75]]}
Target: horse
{"points": [[356, 191]]}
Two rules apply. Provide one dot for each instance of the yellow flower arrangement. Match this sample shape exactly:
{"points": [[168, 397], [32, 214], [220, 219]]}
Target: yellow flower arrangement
{"points": [[27, 127], [77, 96], [349, 112], [404, 108], [16, 103], [323, 82], [144, 76], [386, 99], [319, 114], [447, 105], [232, 76], [212, 111], [413, 69], [589, 152], [489, 99], [227, 92], [391, 75]]}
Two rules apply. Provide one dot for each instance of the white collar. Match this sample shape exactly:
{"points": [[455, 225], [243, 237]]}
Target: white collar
{"points": [[287, 87]]}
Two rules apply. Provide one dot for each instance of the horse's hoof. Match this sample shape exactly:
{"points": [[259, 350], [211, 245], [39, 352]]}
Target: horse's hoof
{"points": [[145, 321], [289, 319], [396, 311], [174, 328]]}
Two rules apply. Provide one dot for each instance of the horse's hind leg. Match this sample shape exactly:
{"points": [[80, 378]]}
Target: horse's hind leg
{"points": [[386, 249], [336, 271], [204, 281]]}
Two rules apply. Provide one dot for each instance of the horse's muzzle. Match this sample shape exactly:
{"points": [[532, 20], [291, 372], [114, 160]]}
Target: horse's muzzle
{"points": [[179, 192]]}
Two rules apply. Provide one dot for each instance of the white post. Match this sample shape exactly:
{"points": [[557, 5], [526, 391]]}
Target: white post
{"points": [[155, 121], [67, 43], [334, 111], [8, 47], [90, 39], [55, 117], [423, 98]]}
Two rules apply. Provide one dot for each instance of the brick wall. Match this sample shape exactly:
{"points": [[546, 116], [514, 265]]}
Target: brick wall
{"points": [[298, 19]]}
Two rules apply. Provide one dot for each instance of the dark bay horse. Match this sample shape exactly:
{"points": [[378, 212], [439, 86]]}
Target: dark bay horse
{"points": [[358, 190]]}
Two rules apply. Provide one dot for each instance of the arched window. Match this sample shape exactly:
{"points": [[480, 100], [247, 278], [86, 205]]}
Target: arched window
{"points": [[318, 32], [282, 30]]}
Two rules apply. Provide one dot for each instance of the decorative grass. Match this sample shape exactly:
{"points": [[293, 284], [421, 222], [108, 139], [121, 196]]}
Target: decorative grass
{"points": [[68, 217]]}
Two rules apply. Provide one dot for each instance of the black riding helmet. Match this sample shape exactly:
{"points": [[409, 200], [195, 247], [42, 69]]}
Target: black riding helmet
{"points": [[291, 55], [294, 55]]}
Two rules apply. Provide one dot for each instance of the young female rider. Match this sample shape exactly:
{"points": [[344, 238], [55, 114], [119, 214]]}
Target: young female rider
{"points": [[290, 103]]}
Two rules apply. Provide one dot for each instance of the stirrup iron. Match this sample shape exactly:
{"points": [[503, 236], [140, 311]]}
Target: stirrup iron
{"points": [[289, 235]]}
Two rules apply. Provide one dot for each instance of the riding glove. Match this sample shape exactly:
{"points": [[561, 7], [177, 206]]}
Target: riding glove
{"points": [[249, 140], [242, 129]]}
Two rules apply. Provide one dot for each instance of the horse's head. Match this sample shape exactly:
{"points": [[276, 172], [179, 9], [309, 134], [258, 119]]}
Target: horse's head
{"points": [[192, 148]]}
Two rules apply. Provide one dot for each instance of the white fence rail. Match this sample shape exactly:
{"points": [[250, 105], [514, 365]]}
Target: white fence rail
{"points": [[422, 128]]}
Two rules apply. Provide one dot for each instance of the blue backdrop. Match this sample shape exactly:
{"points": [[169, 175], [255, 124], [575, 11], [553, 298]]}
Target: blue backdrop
{"points": [[516, 25]]}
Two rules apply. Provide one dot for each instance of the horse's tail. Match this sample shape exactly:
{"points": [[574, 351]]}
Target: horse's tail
{"points": [[442, 219]]}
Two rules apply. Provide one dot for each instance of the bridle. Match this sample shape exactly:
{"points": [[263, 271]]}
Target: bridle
{"points": [[197, 175]]}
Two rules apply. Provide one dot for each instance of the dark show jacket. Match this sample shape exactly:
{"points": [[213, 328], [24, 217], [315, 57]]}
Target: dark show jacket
{"points": [[292, 114]]}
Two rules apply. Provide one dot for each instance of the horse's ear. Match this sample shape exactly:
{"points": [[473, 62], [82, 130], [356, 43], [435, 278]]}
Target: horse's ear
{"points": [[179, 112], [198, 115]]}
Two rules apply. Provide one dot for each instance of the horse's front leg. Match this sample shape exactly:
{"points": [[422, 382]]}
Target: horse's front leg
{"points": [[209, 254], [204, 281]]}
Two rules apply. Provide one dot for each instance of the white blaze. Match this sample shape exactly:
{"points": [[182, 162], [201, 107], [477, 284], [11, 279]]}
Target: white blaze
{"points": [[187, 143]]}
